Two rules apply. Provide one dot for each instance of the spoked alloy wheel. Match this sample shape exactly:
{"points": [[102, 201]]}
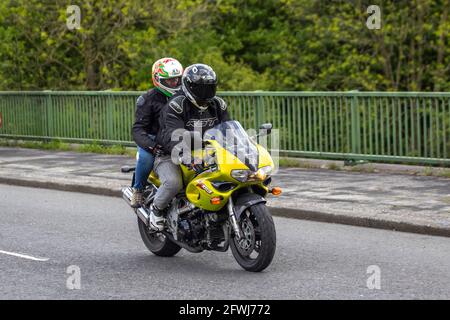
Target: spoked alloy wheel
{"points": [[255, 250], [248, 246]]}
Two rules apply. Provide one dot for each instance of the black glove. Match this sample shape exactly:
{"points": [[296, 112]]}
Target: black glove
{"points": [[197, 167], [156, 150]]}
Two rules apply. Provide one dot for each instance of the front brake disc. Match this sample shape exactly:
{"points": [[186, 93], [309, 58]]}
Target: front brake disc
{"points": [[246, 244]]}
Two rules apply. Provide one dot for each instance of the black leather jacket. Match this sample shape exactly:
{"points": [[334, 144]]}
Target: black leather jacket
{"points": [[180, 113], [148, 109]]}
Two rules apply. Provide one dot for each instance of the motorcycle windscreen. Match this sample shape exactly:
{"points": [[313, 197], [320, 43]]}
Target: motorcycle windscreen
{"points": [[231, 136]]}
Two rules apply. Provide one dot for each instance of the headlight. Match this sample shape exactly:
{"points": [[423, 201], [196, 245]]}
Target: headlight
{"points": [[247, 175], [240, 175], [267, 170]]}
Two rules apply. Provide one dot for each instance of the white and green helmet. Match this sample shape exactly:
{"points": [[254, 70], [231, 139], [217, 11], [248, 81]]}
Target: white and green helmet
{"points": [[165, 69]]}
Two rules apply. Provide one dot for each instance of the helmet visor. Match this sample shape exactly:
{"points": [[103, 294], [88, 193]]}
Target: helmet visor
{"points": [[172, 83], [203, 92]]}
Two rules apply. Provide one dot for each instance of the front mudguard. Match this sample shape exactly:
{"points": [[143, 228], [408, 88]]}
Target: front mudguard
{"points": [[246, 200]]}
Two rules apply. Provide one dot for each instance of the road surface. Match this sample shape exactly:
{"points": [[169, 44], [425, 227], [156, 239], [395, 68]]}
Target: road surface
{"points": [[46, 235]]}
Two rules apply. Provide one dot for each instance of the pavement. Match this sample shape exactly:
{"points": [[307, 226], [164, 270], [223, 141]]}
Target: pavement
{"points": [[402, 202], [49, 237]]}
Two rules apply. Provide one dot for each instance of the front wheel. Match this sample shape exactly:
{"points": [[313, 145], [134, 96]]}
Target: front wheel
{"points": [[255, 250], [156, 242]]}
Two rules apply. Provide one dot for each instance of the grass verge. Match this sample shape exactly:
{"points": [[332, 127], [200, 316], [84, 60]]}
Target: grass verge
{"points": [[58, 145]]}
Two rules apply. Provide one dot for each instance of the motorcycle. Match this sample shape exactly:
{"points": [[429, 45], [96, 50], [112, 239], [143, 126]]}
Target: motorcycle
{"points": [[223, 201]]}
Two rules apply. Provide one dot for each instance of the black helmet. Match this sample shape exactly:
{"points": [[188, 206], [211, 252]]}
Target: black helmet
{"points": [[199, 84]]}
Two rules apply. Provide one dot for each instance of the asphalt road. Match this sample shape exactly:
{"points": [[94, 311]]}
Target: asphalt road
{"points": [[99, 235]]}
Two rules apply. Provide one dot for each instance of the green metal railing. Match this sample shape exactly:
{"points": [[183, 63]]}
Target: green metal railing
{"points": [[379, 126]]}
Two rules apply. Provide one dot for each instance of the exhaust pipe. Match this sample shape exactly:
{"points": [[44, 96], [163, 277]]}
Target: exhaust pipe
{"points": [[182, 244], [127, 193], [143, 215]]}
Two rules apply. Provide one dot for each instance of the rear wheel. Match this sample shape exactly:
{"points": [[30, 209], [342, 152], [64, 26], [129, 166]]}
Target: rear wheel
{"points": [[255, 250], [156, 242]]}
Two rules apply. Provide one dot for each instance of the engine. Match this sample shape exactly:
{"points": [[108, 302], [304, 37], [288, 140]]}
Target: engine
{"points": [[196, 227]]}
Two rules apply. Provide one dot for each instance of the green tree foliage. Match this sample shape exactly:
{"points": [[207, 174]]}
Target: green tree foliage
{"points": [[252, 44]]}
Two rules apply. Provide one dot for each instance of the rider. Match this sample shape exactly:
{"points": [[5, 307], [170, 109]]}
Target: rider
{"points": [[166, 76], [195, 106]]}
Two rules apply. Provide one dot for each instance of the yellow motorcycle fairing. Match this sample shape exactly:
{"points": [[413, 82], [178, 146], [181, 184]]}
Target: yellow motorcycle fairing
{"points": [[200, 190]]}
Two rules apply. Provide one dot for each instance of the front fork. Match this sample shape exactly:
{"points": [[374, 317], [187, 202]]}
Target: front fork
{"points": [[233, 220]]}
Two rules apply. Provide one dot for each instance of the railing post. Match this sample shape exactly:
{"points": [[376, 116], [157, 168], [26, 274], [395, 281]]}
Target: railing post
{"points": [[109, 118], [355, 123], [259, 105], [259, 109], [49, 114]]}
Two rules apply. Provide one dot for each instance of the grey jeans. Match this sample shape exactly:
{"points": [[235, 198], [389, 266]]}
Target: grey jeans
{"points": [[171, 182]]}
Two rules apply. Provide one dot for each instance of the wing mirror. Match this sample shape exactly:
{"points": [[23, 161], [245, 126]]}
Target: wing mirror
{"points": [[265, 129]]}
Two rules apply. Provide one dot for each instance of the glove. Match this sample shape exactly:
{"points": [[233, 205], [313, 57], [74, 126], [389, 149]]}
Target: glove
{"points": [[156, 150], [197, 167]]}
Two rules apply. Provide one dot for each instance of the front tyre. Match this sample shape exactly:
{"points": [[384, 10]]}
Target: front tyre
{"points": [[156, 242], [255, 251]]}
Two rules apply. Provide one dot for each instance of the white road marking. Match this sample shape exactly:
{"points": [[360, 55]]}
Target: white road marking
{"points": [[24, 256]]}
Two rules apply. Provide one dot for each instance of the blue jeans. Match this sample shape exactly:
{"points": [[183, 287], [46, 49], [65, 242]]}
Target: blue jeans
{"points": [[144, 166]]}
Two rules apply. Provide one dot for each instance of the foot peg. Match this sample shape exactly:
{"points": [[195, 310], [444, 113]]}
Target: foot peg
{"points": [[126, 169]]}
